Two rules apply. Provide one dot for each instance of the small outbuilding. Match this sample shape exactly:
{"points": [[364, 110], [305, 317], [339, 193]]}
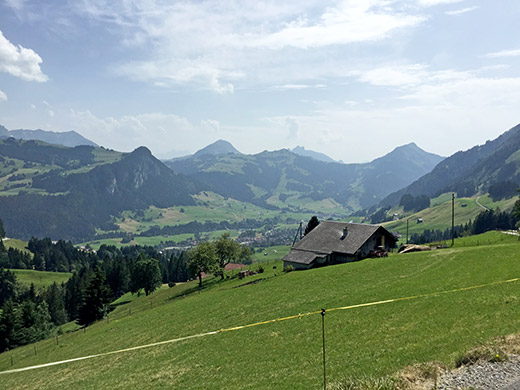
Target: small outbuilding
{"points": [[338, 242]]}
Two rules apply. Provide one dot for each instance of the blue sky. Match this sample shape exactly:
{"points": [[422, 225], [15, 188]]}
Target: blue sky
{"points": [[352, 79]]}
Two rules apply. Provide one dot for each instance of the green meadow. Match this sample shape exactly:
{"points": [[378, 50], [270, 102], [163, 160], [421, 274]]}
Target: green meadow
{"points": [[17, 244], [40, 278], [438, 215], [370, 341]]}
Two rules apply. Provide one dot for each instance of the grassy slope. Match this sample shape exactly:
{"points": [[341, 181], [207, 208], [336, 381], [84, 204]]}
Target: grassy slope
{"points": [[17, 244], [438, 216], [376, 340], [273, 253], [40, 278]]}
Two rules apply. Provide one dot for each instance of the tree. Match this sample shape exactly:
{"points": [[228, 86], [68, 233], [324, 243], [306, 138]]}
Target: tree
{"points": [[313, 222], [145, 275], [7, 285], [95, 299], [118, 276], [245, 254], [202, 258], [227, 250], [55, 303], [9, 326]]}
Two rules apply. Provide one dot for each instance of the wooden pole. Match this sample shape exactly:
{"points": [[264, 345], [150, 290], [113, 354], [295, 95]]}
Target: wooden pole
{"points": [[323, 339], [452, 219]]}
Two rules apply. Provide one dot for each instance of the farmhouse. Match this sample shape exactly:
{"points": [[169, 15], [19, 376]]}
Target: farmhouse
{"points": [[338, 242]]}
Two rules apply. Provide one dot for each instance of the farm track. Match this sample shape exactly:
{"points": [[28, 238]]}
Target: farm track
{"points": [[480, 204]]}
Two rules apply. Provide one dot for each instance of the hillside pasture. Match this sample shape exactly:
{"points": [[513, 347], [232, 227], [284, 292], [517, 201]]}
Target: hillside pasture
{"points": [[438, 215], [17, 244], [40, 278], [369, 341]]}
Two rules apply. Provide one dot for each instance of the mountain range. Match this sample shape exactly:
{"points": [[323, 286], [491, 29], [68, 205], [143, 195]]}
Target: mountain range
{"points": [[74, 192], [284, 179], [66, 138]]}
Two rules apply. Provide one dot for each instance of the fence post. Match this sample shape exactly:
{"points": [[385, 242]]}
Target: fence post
{"points": [[323, 338]]}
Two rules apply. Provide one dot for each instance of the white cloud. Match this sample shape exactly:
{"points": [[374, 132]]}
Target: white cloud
{"points": [[216, 45], [504, 53], [431, 3], [20, 62], [407, 76], [3, 96], [298, 86], [461, 11], [351, 21], [16, 5]]}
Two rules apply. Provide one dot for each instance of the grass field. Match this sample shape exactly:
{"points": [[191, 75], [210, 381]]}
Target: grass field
{"points": [[17, 244], [373, 341], [40, 278], [272, 253], [438, 216]]}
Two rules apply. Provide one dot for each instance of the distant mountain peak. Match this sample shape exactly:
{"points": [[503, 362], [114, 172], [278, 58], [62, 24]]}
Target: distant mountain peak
{"points": [[142, 150], [65, 138], [301, 151], [218, 147]]}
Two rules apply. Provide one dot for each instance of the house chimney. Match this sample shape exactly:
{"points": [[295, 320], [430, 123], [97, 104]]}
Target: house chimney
{"points": [[345, 231]]}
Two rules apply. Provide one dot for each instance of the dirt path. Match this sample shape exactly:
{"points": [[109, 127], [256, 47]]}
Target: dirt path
{"points": [[481, 205]]}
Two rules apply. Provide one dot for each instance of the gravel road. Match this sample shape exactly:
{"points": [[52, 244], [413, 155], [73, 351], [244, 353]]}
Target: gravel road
{"points": [[484, 376]]}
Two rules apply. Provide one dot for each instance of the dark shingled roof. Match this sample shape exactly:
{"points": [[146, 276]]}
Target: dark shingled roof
{"points": [[327, 238]]}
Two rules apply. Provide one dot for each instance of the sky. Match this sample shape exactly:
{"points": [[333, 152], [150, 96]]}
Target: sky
{"points": [[352, 79]]}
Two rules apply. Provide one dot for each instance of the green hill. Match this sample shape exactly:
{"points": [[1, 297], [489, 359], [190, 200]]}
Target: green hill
{"points": [[438, 215], [369, 341]]}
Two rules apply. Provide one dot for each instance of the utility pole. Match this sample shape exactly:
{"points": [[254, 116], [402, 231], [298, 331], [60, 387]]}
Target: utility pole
{"points": [[452, 219], [299, 231], [407, 220]]}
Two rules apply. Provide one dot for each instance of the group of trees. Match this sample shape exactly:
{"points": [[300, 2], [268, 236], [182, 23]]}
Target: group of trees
{"points": [[414, 203], [211, 257], [29, 314]]}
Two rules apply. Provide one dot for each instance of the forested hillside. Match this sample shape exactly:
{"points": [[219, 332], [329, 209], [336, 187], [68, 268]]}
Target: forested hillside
{"points": [[69, 192], [469, 172]]}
